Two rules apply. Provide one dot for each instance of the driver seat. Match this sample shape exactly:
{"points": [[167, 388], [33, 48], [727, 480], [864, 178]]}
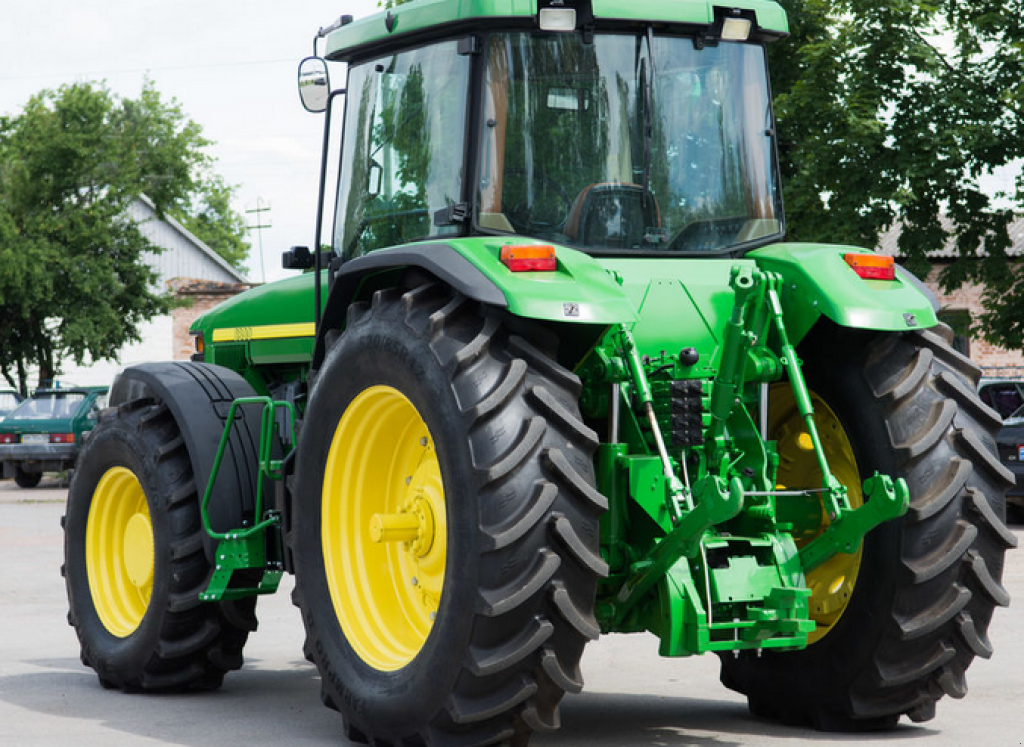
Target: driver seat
{"points": [[612, 214]]}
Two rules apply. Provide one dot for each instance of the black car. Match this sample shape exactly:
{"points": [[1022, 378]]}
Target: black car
{"points": [[1006, 396]]}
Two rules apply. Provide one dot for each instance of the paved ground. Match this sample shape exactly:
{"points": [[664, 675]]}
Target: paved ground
{"points": [[633, 697]]}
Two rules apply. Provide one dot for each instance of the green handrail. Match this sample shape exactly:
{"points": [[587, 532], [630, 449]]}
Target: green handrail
{"points": [[268, 467]]}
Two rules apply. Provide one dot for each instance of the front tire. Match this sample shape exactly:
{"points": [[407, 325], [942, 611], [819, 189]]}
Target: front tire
{"points": [[466, 629], [25, 479], [927, 583], [135, 563]]}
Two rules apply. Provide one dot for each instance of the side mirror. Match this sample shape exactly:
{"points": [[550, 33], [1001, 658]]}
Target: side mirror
{"points": [[314, 84], [300, 258], [374, 179]]}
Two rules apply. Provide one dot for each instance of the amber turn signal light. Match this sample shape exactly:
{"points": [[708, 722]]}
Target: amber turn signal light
{"points": [[529, 258], [872, 266]]}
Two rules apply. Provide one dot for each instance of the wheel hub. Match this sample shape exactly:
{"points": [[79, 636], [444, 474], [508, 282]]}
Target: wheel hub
{"points": [[413, 527], [119, 551], [384, 529], [138, 550], [832, 582]]}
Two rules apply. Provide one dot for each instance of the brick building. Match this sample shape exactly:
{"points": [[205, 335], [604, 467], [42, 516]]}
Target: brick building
{"points": [[962, 307], [197, 297]]}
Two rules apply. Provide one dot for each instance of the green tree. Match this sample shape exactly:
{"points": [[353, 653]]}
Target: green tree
{"points": [[73, 280], [893, 112], [210, 217]]}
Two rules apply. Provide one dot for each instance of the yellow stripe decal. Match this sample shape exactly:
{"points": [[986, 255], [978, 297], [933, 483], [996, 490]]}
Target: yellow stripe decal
{"points": [[265, 332]]}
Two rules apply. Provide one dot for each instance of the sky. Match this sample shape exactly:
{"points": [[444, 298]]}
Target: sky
{"points": [[230, 64]]}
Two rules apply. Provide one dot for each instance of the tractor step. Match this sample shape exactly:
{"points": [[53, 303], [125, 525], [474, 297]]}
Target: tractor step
{"points": [[242, 569]]}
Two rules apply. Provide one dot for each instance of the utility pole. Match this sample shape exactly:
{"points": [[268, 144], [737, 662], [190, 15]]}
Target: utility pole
{"points": [[258, 226]]}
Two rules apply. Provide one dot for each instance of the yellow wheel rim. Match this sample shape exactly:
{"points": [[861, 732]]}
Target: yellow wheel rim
{"points": [[384, 528], [832, 582], [119, 551]]}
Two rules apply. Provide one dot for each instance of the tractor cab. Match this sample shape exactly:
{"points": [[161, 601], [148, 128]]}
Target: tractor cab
{"points": [[608, 136]]}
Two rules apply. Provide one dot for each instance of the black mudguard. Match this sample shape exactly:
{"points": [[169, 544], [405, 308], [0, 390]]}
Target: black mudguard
{"points": [[199, 396]]}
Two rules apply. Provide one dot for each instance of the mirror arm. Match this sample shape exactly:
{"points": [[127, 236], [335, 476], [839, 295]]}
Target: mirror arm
{"points": [[318, 265]]}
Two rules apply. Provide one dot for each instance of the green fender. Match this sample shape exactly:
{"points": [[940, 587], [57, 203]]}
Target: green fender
{"points": [[579, 292], [817, 282]]}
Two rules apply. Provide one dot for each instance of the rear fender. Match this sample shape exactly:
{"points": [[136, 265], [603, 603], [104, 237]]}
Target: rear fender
{"points": [[580, 291], [817, 282]]}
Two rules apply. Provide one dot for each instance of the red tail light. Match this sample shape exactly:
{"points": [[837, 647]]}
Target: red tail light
{"points": [[872, 266], [7, 438], [529, 258], [62, 438]]}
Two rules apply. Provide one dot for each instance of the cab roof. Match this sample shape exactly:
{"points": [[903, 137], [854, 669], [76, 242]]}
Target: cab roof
{"points": [[408, 23]]}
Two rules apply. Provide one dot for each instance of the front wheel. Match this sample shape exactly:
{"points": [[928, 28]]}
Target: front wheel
{"points": [[900, 621], [135, 564], [446, 531], [25, 479]]}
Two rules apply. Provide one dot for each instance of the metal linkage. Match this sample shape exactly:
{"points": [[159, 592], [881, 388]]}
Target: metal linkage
{"points": [[746, 283], [834, 495], [885, 500], [759, 589], [676, 493]]}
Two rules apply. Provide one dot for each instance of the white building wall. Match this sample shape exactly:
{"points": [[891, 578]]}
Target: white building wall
{"points": [[184, 255], [156, 345]]}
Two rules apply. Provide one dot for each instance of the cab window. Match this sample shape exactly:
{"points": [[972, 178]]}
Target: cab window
{"points": [[401, 167]]}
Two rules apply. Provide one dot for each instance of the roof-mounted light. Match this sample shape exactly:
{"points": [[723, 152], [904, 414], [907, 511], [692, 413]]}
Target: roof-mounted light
{"points": [[557, 19], [736, 29], [730, 25]]}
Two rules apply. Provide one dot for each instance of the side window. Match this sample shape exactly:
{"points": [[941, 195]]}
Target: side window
{"points": [[97, 404], [402, 157]]}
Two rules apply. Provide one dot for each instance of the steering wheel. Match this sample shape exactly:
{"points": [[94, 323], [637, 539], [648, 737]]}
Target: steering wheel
{"points": [[545, 214], [705, 235]]}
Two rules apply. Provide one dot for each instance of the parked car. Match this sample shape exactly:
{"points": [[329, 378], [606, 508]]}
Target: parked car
{"points": [[44, 433], [9, 399], [1006, 396]]}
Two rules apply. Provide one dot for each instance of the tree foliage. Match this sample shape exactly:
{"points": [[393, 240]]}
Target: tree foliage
{"points": [[210, 217], [893, 112], [73, 280]]}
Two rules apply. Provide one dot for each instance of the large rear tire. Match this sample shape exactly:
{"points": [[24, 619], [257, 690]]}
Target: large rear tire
{"points": [[446, 528], [135, 562], [926, 585]]}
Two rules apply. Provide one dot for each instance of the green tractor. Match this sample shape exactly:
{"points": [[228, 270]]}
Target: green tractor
{"points": [[553, 372]]}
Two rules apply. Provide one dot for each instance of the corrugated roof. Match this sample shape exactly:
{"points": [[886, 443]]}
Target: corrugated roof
{"points": [[889, 241], [193, 241]]}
